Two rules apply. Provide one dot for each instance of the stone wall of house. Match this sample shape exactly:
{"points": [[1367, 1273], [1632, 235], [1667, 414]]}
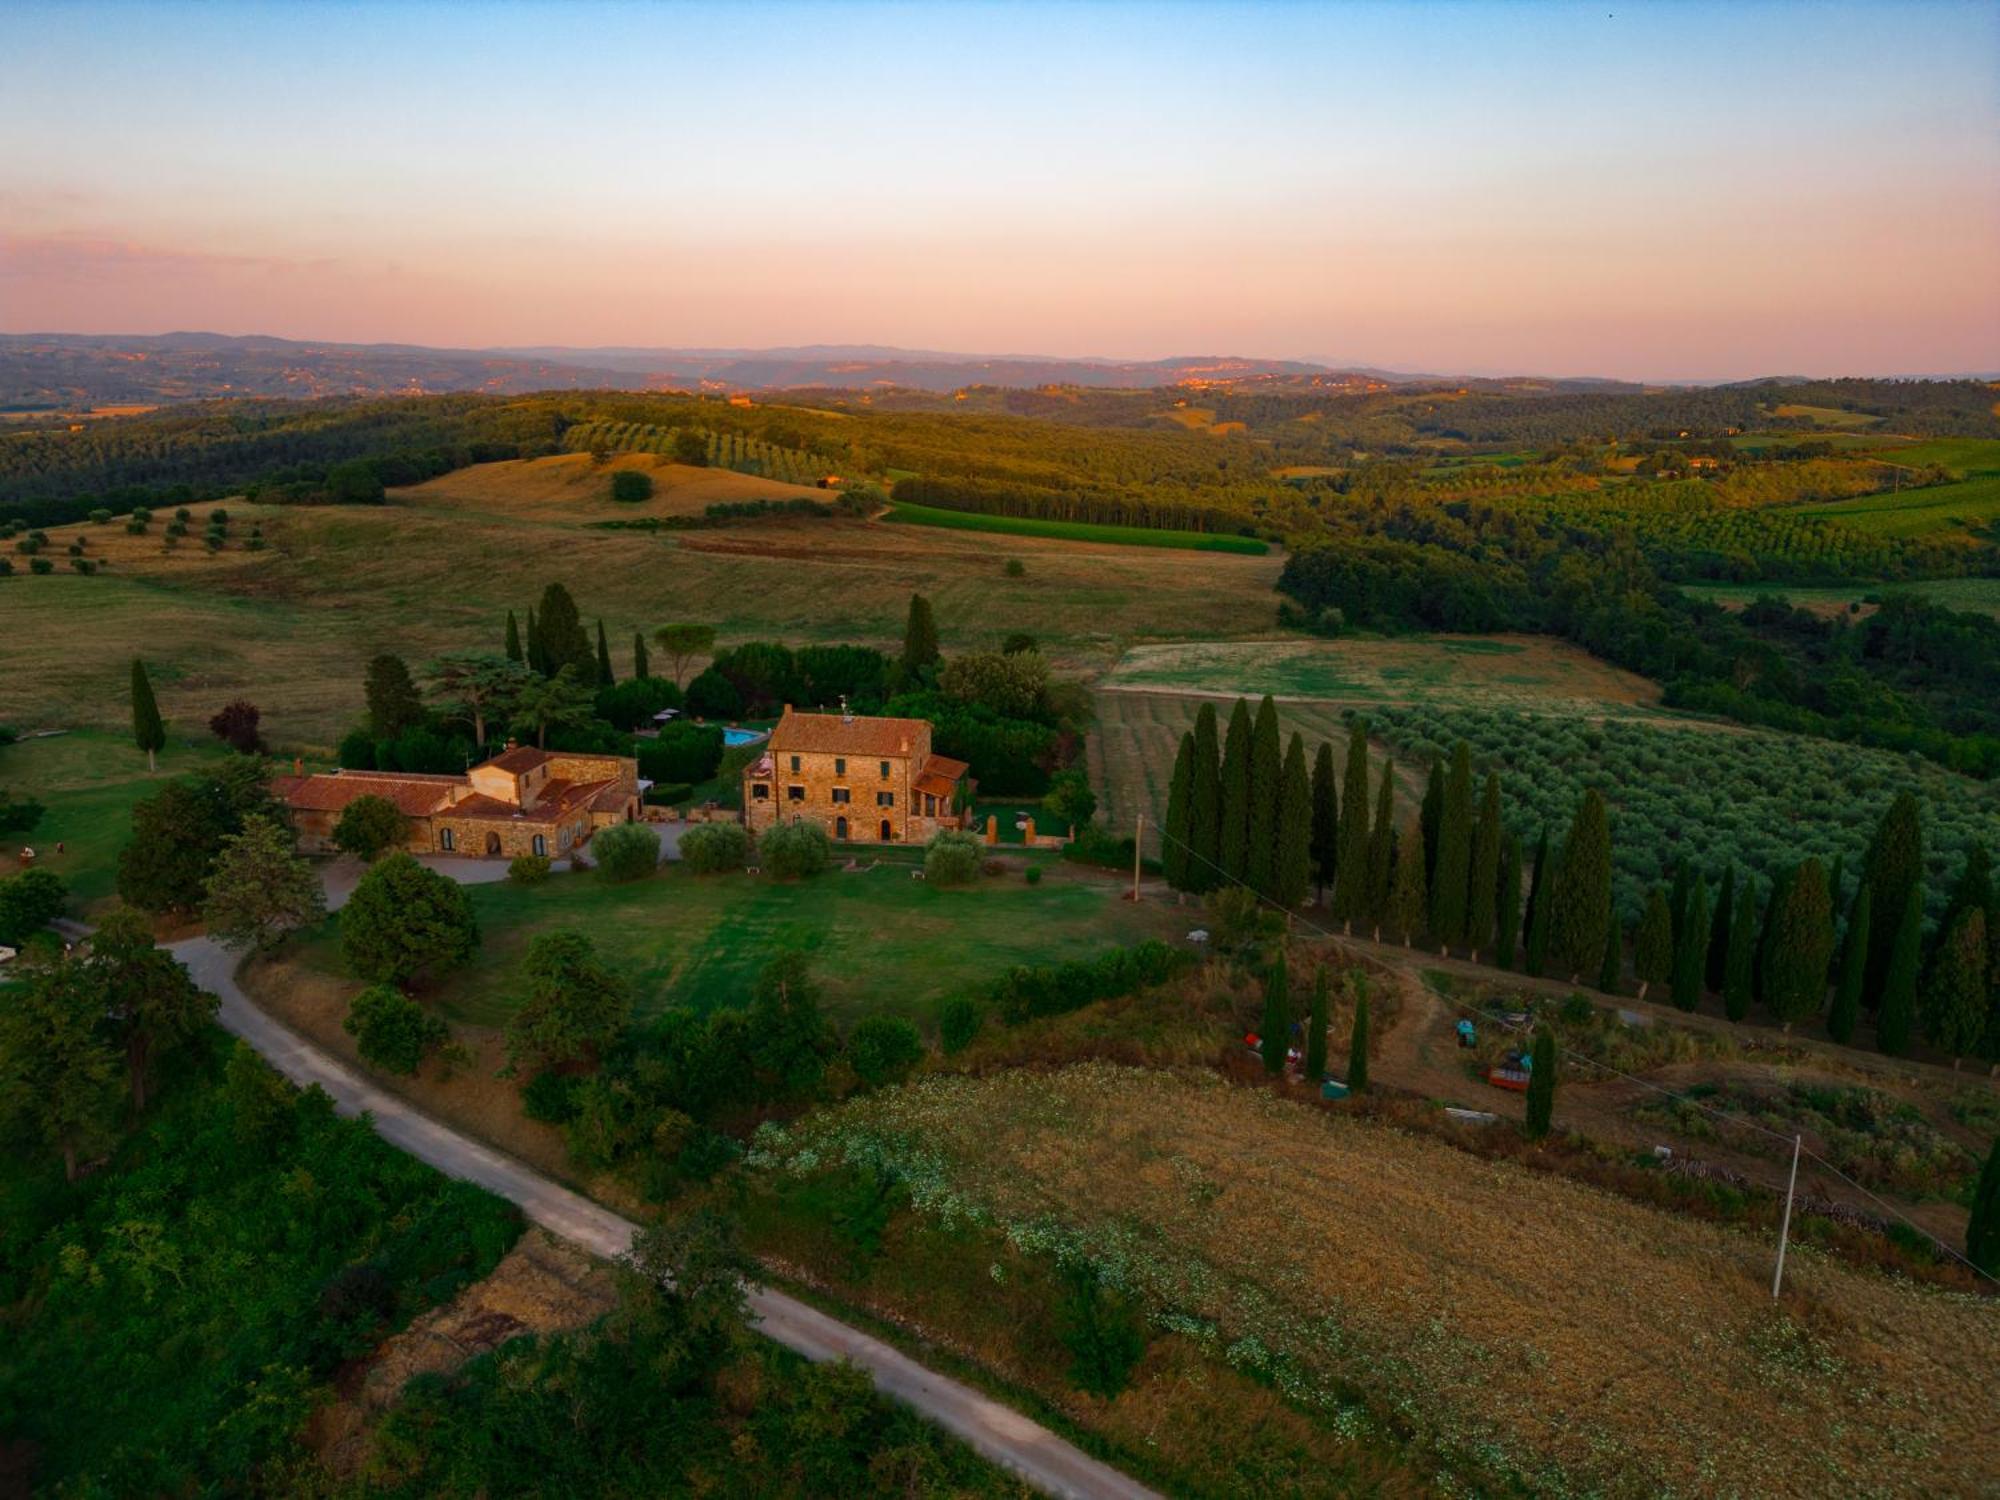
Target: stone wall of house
{"points": [[314, 830], [865, 790], [516, 835]]}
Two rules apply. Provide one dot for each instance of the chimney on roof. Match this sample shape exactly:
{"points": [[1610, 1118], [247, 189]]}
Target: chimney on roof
{"points": [[298, 766], [845, 716], [512, 742], [903, 744], [788, 709]]}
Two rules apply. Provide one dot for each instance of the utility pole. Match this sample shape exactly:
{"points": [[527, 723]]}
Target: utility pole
{"points": [[1785, 1224], [1138, 853]]}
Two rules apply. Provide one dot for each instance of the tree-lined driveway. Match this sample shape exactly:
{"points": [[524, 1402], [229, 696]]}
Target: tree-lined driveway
{"points": [[997, 1432]]}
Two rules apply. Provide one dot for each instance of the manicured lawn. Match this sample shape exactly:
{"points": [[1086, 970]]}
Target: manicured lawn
{"points": [[88, 782], [1075, 531], [881, 943]]}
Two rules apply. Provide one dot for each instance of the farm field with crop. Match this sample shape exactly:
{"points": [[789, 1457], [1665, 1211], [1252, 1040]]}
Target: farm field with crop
{"points": [[904, 513], [879, 942], [292, 626], [1442, 1293]]}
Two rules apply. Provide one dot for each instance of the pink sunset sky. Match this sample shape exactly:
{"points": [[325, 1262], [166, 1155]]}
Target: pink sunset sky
{"points": [[1656, 191]]}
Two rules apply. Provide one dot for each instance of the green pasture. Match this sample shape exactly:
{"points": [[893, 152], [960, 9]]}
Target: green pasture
{"points": [[1074, 531], [1967, 507], [880, 942]]}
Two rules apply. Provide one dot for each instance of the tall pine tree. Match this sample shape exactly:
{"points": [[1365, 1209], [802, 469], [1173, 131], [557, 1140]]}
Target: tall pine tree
{"points": [[1291, 876], [1507, 937], [1847, 992], [1325, 819], [1580, 889], [1896, 1013], [1350, 890], [1895, 867], [1204, 869], [149, 730], [1235, 836], [1266, 772], [1174, 837], [1482, 900], [1452, 872]]}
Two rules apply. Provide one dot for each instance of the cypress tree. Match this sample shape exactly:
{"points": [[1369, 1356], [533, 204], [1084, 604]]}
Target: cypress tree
{"points": [[1536, 951], [1277, 1037], [513, 637], [1739, 974], [920, 642], [1357, 1042], [1235, 836], [1174, 838], [604, 677], [1982, 1232], [1266, 773], [1508, 937], [393, 704], [1316, 1030], [149, 730], [1451, 874], [1381, 852], [1683, 887], [1350, 888], [1954, 994], [1482, 900], [1580, 887], [1801, 947], [1973, 890], [1895, 867], [1432, 815], [1691, 948], [1409, 901], [1846, 1012], [1767, 935], [1653, 953], [642, 665], [537, 661], [1896, 1014], [1292, 875], [1611, 969], [564, 640], [1541, 1085], [1325, 820], [1204, 806], [1718, 938]]}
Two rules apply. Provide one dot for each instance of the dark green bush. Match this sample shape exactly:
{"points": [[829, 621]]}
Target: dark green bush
{"points": [[391, 1030], [883, 1049]]}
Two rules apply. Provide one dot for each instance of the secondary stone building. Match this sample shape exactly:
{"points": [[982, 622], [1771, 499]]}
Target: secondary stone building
{"points": [[865, 780], [523, 801]]}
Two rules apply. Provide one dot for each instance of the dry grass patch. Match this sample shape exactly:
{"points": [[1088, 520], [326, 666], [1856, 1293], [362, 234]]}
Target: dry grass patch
{"points": [[1526, 1327], [576, 488]]}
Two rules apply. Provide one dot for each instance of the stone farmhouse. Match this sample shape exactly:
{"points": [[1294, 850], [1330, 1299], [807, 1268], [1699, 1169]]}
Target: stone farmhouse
{"points": [[523, 801], [865, 780]]}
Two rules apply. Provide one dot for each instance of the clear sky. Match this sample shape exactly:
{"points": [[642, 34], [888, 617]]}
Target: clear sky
{"points": [[1649, 190]]}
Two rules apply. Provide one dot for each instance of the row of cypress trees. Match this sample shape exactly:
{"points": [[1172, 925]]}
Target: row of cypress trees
{"points": [[1242, 812], [555, 638]]}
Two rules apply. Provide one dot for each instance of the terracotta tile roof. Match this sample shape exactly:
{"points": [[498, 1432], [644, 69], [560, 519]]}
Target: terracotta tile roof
{"points": [[413, 794], [522, 758], [830, 734], [612, 799]]}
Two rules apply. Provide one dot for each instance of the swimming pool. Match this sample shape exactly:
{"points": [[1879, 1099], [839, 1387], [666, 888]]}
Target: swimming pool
{"points": [[742, 736]]}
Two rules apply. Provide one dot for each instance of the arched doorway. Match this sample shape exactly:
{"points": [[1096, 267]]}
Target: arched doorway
{"points": [[492, 846], [888, 832], [840, 828]]}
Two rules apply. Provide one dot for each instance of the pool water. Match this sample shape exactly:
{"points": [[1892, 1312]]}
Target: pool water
{"points": [[742, 736]]}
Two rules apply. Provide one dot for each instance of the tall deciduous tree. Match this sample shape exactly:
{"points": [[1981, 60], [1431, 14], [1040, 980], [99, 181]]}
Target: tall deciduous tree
{"points": [[1739, 978], [393, 704], [58, 1076], [1276, 1039], [149, 730], [1541, 1085], [1507, 938], [1381, 852], [920, 643], [575, 1009], [1846, 1012], [1954, 994], [1266, 791], [1409, 901], [1535, 950], [1291, 875], [683, 643], [1205, 805], [1895, 867], [1801, 947], [260, 888], [1691, 948], [1357, 1041], [1325, 819], [150, 1003], [1350, 889], [1235, 836], [1896, 1012], [1174, 837], [405, 922], [1653, 951], [1483, 893], [1580, 888], [1451, 874], [1316, 1028]]}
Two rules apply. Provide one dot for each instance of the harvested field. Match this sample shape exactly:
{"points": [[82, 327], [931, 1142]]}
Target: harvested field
{"points": [[576, 488], [1533, 1331]]}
